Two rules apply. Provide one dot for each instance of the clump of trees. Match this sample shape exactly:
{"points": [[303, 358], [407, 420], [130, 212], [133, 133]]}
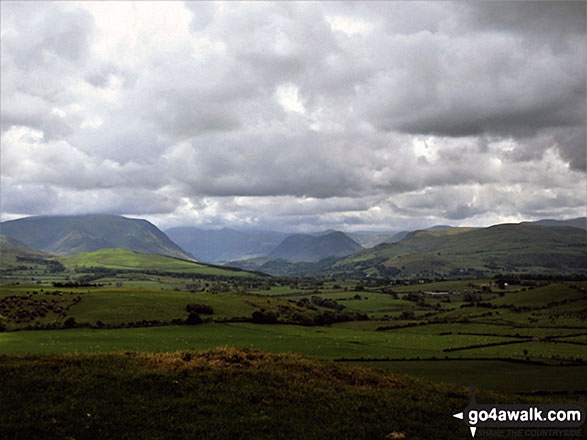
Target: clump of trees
{"points": [[264, 317], [203, 309], [325, 302]]}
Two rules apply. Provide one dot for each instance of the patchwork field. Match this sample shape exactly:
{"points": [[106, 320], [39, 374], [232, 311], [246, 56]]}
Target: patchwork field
{"points": [[94, 333], [422, 323]]}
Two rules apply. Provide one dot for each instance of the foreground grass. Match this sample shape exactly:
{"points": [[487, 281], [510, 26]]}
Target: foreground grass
{"points": [[221, 394]]}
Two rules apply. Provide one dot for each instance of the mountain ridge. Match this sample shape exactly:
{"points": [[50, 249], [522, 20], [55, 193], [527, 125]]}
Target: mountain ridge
{"points": [[67, 235], [309, 248]]}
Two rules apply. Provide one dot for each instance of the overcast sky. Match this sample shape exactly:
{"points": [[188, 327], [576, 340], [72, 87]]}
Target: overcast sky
{"points": [[295, 116]]}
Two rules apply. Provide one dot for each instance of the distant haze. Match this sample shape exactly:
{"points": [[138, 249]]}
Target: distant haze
{"points": [[303, 116]]}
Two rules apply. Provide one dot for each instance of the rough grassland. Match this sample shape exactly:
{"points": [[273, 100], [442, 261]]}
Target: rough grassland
{"points": [[221, 394]]}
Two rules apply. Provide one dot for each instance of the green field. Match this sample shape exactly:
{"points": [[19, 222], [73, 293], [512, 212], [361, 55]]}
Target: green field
{"points": [[323, 342], [540, 327]]}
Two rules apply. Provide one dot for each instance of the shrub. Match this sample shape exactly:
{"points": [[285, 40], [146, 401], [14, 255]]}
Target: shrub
{"points": [[193, 319]]}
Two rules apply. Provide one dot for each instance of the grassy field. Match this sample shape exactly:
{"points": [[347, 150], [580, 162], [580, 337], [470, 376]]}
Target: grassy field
{"points": [[321, 342], [222, 394]]}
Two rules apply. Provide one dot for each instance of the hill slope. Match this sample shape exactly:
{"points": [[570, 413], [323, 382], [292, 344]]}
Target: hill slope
{"points": [[507, 247], [130, 260], [67, 235], [301, 247], [13, 254], [225, 244]]}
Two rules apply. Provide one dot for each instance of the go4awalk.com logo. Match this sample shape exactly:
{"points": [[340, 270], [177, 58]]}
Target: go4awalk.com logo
{"points": [[534, 420]]}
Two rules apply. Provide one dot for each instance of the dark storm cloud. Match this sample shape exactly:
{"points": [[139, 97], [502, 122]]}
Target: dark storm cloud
{"points": [[295, 115]]}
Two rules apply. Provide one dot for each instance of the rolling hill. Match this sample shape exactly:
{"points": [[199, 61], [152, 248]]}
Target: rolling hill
{"points": [[129, 260], [222, 245], [454, 251], [309, 248], [67, 235]]}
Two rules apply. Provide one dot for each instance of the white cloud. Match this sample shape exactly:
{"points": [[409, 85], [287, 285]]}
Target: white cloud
{"points": [[288, 97], [348, 25]]}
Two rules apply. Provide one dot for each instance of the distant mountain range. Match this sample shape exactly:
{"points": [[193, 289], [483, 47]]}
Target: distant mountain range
{"points": [[541, 246], [68, 235], [225, 244], [580, 222], [310, 248]]}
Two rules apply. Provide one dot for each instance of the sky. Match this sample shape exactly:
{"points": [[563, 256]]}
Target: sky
{"points": [[295, 116]]}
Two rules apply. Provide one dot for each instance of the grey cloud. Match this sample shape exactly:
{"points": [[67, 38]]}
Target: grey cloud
{"points": [[47, 199], [531, 17], [44, 46], [197, 119], [495, 80], [46, 32], [241, 165]]}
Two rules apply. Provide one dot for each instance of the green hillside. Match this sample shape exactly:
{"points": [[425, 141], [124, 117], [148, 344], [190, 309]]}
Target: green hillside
{"points": [[128, 260], [67, 235], [507, 247], [12, 250]]}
